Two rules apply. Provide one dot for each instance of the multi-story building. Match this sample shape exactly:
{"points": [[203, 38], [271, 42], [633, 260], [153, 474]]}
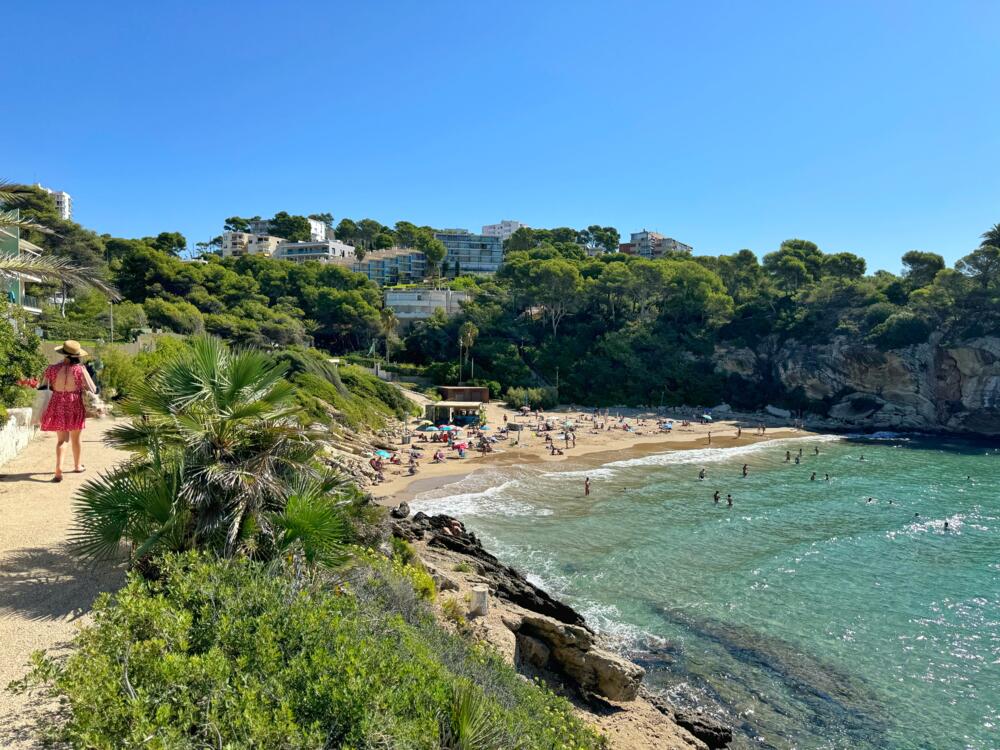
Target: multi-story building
{"points": [[470, 253], [235, 244], [654, 245], [64, 201], [397, 265], [503, 230], [318, 231], [325, 251], [421, 303]]}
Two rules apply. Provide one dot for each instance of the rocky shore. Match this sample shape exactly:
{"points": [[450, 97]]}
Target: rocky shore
{"points": [[547, 639]]}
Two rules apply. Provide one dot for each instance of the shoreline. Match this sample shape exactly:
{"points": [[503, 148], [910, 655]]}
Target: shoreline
{"points": [[648, 720], [593, 449]]}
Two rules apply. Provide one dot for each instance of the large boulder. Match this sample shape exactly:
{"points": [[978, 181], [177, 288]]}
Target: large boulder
{"points": [[569, 651]]}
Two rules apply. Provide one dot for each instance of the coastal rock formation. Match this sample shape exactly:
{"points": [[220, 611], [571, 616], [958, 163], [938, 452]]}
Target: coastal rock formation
{"points": [[503, 581], [713, 733], [569, 650], [932, 386]]}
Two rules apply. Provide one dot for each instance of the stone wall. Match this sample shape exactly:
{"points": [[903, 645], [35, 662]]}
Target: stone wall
{"points": [[15, 434]]}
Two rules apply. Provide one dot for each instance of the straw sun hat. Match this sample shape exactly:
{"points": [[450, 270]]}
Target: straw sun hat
{"points": [[71, 348]]}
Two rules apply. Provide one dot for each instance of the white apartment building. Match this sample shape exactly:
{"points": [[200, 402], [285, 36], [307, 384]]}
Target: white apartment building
{"points": [[235, 244], [64, 201], [504, 229], [318, 231], [419, 304], [325, 251]]}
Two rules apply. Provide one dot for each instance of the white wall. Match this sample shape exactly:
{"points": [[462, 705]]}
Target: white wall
{"points": [[15, 434]]}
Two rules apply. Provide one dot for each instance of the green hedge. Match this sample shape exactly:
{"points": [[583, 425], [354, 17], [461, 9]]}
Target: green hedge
{"points": [[232, 654]]}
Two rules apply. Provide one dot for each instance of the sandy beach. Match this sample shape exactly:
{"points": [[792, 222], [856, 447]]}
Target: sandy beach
{"points": [[593, 447]]}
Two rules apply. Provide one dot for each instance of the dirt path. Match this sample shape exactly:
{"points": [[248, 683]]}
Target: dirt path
{"points": [[44, 591]]}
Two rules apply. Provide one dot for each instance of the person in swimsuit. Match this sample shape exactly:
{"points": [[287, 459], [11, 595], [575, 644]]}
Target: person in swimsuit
{"points": [[65, 415]]}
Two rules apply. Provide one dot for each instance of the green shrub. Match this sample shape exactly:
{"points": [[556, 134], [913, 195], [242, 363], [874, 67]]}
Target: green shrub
{"points": [[19, 356], [463, 567], [536, 398], [901, 329], [234, 654], [118, 373]]}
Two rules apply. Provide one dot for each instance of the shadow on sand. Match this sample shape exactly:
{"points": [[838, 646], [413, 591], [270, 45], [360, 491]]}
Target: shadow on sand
{"points": [[46, 584]]}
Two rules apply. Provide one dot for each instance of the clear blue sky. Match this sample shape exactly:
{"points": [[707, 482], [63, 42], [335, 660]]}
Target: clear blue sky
{"points": [[872, 127]]}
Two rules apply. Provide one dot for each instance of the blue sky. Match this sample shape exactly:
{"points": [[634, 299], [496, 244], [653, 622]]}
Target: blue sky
{"points": [[872, 127]]}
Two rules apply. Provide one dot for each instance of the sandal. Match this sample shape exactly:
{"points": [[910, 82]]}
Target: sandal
{"points": [[80, 470]]}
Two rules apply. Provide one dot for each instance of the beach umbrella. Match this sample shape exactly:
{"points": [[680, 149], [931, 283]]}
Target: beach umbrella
{"points": [[448, 428], [707, 417], [383, 454], [484, 427], [463, 446], [525, 408], [427, 428]]}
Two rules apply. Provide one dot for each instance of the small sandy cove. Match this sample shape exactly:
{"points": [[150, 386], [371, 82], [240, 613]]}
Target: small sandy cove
{"points": [[594, 447]]}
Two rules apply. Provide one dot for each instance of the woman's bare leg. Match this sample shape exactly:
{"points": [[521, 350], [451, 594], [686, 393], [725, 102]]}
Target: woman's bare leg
{"points": [[74, 437], [61, 439]]}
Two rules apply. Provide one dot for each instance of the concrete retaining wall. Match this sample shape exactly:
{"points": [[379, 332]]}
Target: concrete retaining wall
{"points": [[15, 434]]}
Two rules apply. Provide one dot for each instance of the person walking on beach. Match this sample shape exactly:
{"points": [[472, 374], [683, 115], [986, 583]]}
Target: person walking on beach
{"points": [[65, 414], [586, 487], [715, 497], [709, 437], [739, 431]]}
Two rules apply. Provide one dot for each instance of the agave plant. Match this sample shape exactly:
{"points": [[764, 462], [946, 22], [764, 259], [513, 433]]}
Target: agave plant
{"points": [[216, 428], [469, 725]]}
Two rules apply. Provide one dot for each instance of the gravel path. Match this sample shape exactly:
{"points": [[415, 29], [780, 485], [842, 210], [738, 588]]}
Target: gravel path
{"points": [[44, 592]]}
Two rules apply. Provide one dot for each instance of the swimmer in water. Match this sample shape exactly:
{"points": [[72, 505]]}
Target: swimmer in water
{"points": [[701, 474], [746, 469], [715, 497], [813, 477], [827, 478], [816, 450], [800, 453], [729, 500], [788, 456], [870, 500], [862, 457], [797, 461], [945, 525]]}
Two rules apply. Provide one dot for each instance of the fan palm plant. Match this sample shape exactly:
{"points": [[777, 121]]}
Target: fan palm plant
{"points": [[218, 428]]}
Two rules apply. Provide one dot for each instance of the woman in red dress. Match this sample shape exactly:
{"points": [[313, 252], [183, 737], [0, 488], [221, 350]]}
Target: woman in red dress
{"points": [[65, 414]]}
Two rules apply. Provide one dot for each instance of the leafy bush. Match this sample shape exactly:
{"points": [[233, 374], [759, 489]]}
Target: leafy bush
{"points": [[536, 398], [901, 329], [19, 356], [178, 316], [233, 654], [493, 385], [118, 373]]}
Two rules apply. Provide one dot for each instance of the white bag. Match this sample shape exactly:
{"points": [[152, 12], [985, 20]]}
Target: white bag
{"points": [[38, 408]]}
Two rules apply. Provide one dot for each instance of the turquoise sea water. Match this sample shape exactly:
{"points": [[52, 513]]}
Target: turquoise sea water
{"points": [[805, 616]]}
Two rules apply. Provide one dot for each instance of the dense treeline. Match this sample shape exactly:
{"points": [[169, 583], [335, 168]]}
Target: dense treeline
{"points": [[621, 329], [602, 327]]}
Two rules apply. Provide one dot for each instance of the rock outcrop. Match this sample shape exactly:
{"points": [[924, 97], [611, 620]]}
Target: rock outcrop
{"points": [[570, 650], [713, 733], [932, 386], [504, 582]]}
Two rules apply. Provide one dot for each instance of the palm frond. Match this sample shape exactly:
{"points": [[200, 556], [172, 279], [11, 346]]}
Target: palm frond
{"points": [[13, 219], [469, 725], [310, 519], [50, 268]]}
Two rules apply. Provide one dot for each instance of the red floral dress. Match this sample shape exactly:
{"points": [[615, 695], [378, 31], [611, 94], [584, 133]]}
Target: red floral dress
{"points": [[65, 411]]}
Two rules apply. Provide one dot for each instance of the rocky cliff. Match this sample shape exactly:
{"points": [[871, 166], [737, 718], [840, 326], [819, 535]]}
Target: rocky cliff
{"points": [[842, 383]]}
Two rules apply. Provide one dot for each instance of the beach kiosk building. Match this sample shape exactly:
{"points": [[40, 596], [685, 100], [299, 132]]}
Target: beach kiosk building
{"points": [[460, 404]]}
